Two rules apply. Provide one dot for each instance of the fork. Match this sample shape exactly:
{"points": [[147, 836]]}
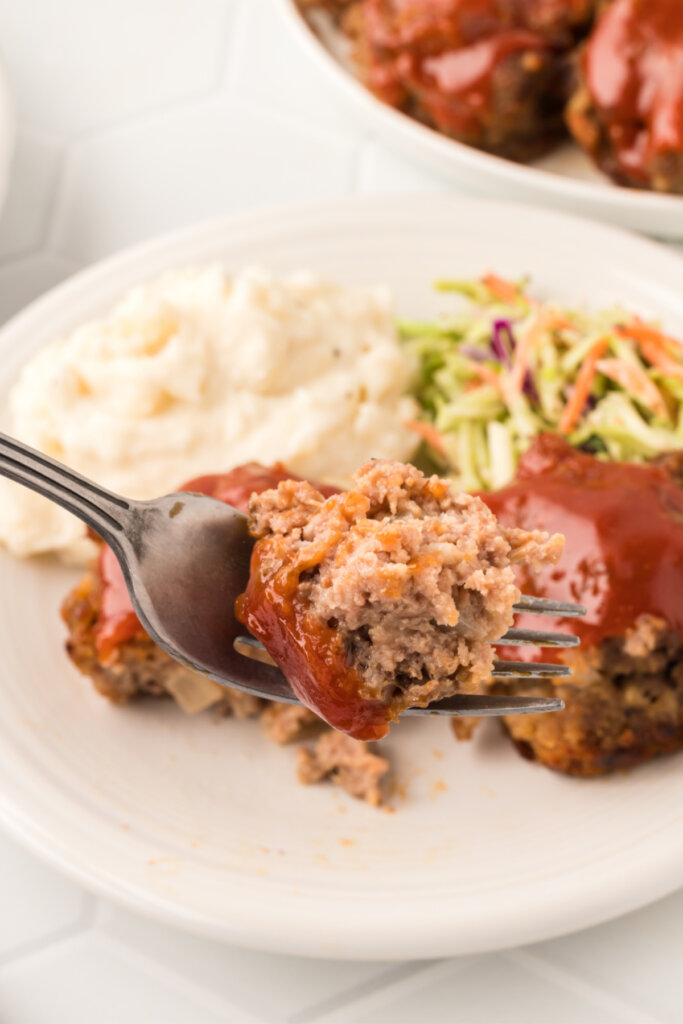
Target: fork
{"points": [[185, 559]]}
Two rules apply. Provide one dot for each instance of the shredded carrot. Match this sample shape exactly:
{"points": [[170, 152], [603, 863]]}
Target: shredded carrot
{"points": [[545, 321], [571, 413], [633, 379], [429, 434], [655, 346], [506, 291], [657, 358], [485, 374], [640, 331]]}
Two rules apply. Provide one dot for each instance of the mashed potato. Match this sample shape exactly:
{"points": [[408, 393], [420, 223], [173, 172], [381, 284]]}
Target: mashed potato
{"points": [[198, 372]]}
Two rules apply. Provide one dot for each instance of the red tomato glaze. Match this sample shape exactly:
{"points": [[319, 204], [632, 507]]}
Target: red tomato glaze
{"points": [[310, 653], [623, 556], [447, 51], [633, 65]]}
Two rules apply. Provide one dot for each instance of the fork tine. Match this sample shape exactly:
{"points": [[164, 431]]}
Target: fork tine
{"points": [[537, 638], [528, 670], [251, 648], [463, 704], [544, 606]]}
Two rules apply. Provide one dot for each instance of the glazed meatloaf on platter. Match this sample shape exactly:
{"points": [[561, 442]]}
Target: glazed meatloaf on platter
{"points": [[490, 74], [627, 107], [513, 76]]}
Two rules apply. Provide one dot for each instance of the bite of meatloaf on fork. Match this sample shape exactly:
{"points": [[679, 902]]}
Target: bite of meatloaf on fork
{"points": [[383, 597]]}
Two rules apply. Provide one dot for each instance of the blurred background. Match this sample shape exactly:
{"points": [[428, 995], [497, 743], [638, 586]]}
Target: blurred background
{"points": [[132, 118], [135, 118]]}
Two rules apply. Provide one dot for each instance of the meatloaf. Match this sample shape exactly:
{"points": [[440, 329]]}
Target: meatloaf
{"points": [[624, 561], [494, 74], [627, 108], [383, 597], [623, 706]]}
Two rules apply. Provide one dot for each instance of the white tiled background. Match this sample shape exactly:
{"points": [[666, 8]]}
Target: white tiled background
{"points": [[137, 116]]}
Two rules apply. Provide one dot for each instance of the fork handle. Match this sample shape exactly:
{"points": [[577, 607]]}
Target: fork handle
{"points": [[105, 512]]}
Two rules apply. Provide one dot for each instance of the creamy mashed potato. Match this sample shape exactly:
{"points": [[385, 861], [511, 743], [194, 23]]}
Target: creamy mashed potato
{"points": [[197, 372]]}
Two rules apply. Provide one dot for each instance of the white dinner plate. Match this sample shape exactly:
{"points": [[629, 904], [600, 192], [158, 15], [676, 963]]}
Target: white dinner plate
{"points": [[201, 823], [565, 178]]}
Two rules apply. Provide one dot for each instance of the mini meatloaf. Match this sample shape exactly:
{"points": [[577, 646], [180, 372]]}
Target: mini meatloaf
{"points": [[627, 111], [107, 643], [494, 74], [623, 706], [383, 597], [624, 561]]}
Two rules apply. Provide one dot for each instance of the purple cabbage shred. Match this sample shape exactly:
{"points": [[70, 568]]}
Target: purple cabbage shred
{"points": [[529, 388], [503, 342]]}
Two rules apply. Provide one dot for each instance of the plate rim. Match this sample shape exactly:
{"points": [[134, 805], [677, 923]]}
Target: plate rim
{"points": [[262, 215], [553, 187], [645, 885]]}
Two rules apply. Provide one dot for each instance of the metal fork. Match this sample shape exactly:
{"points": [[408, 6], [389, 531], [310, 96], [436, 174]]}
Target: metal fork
{"points": [[185, 559]]}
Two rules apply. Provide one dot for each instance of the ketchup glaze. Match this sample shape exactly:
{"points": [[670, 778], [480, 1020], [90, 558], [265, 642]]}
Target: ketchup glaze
{"points": [[446, 51], [623, 525], [311, 653], [633, 67]]}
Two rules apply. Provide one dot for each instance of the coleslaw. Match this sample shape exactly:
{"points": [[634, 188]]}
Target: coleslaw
{"points": [[509, 367]]}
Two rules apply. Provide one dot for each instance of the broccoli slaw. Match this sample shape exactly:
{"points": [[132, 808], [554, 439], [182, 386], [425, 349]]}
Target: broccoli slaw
{"points": [[508, 367]]}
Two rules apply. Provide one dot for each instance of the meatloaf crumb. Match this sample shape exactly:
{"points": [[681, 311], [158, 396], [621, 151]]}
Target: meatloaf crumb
{"points": [[416, 579], [288, 723], [465, 728], [348, 762], [623, 706]]}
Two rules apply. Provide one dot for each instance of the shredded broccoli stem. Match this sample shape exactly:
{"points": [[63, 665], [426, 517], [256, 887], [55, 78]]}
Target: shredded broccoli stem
{"points": [[466, 386]]}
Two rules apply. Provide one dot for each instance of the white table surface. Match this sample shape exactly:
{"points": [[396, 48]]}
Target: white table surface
{"points": [[135, 117]]}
